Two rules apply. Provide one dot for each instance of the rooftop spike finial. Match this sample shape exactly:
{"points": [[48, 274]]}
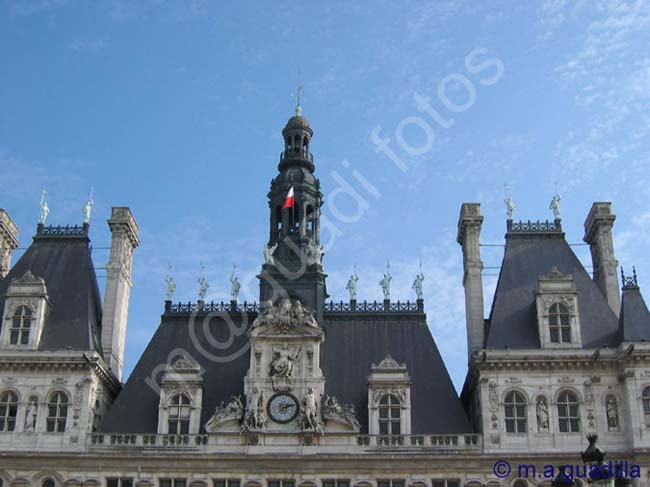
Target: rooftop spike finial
{"points": [[298, 95]]}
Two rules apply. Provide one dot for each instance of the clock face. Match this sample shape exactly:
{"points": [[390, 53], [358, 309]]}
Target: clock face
{"points": [[282, 408]]}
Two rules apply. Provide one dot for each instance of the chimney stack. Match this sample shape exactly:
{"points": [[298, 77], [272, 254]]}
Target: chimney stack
{"points": [[8, 241], [598, 234], [124, 239], [469, 232]]}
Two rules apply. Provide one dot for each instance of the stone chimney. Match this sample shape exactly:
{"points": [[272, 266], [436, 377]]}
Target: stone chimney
{"points": [[469, 232], [598, 234], [124, 239], [8, 241]]}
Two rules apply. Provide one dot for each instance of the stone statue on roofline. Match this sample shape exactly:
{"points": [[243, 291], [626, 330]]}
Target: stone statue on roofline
{"points": [[385, 282], [44, 209], [417, 284], [351, 286], [555, 206]]}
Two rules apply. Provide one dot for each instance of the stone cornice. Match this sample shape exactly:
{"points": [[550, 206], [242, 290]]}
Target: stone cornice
{"points": [[18, 360]]}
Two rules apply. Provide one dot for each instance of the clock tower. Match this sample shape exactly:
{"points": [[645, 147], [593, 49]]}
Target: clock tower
{"points": [[293, 265]]}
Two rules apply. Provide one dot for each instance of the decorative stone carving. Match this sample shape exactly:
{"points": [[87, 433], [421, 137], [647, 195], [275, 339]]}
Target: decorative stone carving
{"points": [[555, 273], [589, 392], [255, 417], [287, 314], [493, 398], [232, 411], [183, 364], [27, 278], [342, 413], [283, 362], [269, 250], [541, 411], [310, 418], [379, 393], [388, 363]]}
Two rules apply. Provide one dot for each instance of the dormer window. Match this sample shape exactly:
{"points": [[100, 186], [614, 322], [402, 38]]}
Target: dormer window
{"points": [[178, 419], [557, 311], [21, 323], [389, 398], [390, 411], [26, 306], [559, 323], [181, 396]]}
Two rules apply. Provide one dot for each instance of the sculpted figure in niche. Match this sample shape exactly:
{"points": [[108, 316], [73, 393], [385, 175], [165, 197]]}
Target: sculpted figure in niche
{"points": [[611, 409], [283, 362], [30, 416], [542, 415]]}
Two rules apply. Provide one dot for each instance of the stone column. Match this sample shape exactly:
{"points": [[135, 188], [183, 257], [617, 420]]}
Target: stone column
{"points": [[8, 241], [469, 232], [598, 234], [124, 239]]}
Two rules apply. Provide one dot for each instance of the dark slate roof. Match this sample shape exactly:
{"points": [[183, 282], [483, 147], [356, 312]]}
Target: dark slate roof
{"points": [[634, 320], [65, 263], [351, 345], [513, 318]]}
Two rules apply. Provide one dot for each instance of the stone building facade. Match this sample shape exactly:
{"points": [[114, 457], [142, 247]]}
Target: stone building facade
{"points": [[298, 392]]}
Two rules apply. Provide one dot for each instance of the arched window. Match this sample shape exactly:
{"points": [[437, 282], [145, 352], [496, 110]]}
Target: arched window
{"points": [[21, 322], [559, 323], [389, 415], [178, 419], [568, 412], [57, 412], [8, 410], [48, 482], [515, 412], [520, 483], [310, 220], [645, 397]]}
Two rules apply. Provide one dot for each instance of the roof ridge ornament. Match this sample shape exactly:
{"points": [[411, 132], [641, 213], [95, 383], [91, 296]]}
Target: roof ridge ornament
{"points": [[389, 363], [555, 273], [629, 282], [27, 278]]}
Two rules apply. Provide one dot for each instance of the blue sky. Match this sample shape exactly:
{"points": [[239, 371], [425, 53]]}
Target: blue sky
{"points": [[176, 108]]}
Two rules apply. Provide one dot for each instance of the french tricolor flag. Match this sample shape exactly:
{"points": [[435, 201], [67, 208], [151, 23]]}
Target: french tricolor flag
{"points": [[289, 200]]}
